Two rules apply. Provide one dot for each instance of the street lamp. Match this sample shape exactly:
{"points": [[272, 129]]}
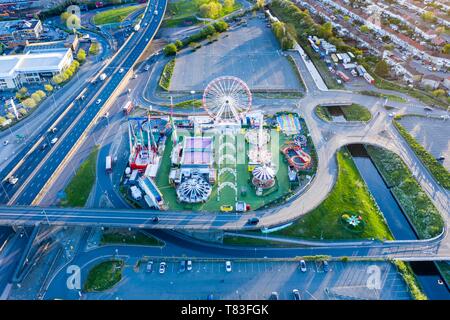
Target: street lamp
{"points": [[193, 101]]}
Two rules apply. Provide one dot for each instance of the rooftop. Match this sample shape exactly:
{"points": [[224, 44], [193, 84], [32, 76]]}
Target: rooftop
{"points": [[9, 26], [30, 62]]}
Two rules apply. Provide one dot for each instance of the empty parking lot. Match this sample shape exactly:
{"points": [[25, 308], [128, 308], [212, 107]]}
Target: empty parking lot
{"points": [[256, 280], [248, 52]]}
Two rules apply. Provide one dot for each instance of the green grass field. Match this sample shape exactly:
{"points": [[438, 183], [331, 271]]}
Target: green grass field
{"points": [[349, 195], [356, 112], [104, 276], [182, 13], [80, 186], [114, 15], [410, 196]]}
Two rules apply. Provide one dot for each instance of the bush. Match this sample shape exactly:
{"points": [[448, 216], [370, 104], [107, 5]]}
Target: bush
{"points": [[81, 55], [94, 48], [170, 49], [48, 87], [220, 26], [166, 76]]}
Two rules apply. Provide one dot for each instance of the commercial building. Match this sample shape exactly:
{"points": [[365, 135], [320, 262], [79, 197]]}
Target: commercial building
{"points": [[20, 30], [31, 67]]}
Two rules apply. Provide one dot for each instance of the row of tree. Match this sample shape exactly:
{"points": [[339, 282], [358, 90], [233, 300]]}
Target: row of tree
{"points": [[206, 33], [283, 36]]}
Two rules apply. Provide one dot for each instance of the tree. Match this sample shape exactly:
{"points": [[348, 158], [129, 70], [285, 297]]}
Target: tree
{"points": [[228, 5], [2, 120], [220, 26], [41, 94], [81, 55], [211, 10], [326, 30], [29, 103], [179, 44], [382, 69], [58, 79], [36, 97], [287, 43], [428, 16], [48, 87], [64, 16], [446, 48], [346, 18], [260, 4], [438, 92], [364, 29], [170, 49]]}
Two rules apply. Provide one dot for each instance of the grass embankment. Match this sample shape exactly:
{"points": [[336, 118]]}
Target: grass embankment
{"points": [[353, 112], [183, 12], [441, 174], [356, 112], [412, 199], [408, 275], [114, 15], [390, 97], [166, 75], [79, 188], [104, 276], [188, 104], [252, 242], [350, 195], [121, 236], [291, 17]]}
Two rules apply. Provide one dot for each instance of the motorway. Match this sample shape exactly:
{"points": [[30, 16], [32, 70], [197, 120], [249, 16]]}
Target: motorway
{"points": [[34, 166]]}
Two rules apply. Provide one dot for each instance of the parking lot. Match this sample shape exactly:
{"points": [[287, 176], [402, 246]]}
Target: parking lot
{"points": [[250, 52], [256, 280], [432, 134]]}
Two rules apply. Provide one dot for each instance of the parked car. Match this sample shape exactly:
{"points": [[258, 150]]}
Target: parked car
{"points": [[296, 294], [189, 265], [226, 208], [182, 266], [228, 266], [253, 220], [149, 266], [162, 267], [303, 266]]}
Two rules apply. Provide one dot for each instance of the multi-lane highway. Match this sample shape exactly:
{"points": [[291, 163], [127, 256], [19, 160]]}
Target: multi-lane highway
{"points": [[34, 165]]}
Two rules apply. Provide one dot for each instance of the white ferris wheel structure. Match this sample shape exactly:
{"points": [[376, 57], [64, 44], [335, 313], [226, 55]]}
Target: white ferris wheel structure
{"points": [[227, 100]]}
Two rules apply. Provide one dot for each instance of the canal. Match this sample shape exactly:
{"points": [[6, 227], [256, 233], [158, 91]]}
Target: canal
{"points": [[426, 272]]}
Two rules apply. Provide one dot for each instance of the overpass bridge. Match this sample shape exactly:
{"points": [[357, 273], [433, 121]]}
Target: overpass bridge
{"points": [[434, 249]]}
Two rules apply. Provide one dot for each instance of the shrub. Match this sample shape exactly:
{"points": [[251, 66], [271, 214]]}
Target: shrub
{"points": [[29, 103], [171, 49], [48, 87]]}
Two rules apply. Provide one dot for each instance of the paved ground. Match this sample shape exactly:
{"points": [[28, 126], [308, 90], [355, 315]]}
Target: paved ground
{"points": [[433, 134], [256, 280], [250, 53]]}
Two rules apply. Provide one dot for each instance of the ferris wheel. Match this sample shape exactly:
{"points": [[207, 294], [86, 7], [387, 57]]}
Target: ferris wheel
{"points": [[227, 99]]}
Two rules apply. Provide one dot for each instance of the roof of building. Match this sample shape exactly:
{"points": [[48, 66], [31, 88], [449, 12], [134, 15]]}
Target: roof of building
{"points": [[32, 62], [9, 26], [432, 77]]}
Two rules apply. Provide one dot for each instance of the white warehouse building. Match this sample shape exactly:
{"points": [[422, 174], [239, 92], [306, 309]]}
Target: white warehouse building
{"points": [[32, 67]]}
